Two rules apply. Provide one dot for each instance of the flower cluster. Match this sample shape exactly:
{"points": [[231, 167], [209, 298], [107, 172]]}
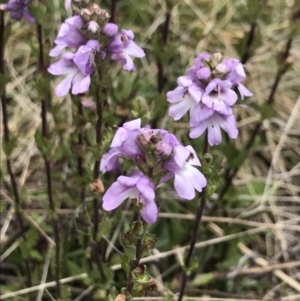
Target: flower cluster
{"points": [[18, 9], [159, 157], [207, 92], [94, 40]]}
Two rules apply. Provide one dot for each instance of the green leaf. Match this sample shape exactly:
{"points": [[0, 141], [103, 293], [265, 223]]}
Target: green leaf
{"points": [[203, 279]]}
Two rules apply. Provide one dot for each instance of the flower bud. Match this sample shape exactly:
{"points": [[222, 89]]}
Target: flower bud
{"points": [[148, 139], [110, 29], [93, 26], [137, 229], [163, 150], [97, 186], [203, 73], [221, 68], [86, 14], [121, 297], [217, 56], [95, 9]]}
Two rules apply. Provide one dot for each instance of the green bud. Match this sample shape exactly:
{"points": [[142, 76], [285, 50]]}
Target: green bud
{"points": [[148, 244], [137, 229], [138, 290], [150, 160], [217, 58]]}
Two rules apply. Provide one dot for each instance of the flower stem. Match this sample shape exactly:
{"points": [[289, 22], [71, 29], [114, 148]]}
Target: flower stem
{"points": [[98, 129], [195, 230], [41, 68], [79, 158], [230, 174], [161, 79], [113, 5], [135, 263], [14, 185], [250, 40]]}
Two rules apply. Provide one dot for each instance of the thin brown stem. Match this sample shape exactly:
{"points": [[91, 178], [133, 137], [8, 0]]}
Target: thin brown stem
{"points": [[79, 158], [14, 185], [249, 43], [161, 79], [41, 69], [96, 200], [195, 231], [113, 6]]}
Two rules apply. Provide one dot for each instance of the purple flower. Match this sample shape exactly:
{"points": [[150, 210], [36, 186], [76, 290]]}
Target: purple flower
{"points": [[68, 3], [219, 96], [122, 47], [184, 97], [187, 178], [18, 9], [69, 35], [77, 67], [213, 121], [124, 143], [137, 186], [236, 74]]}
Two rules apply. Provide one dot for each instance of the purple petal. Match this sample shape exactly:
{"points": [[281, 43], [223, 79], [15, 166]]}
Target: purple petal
{"points": [[64, 86], [166, 177], [195, 114], [206, 113], [56, 50], [211, 86], [28, 16], [81, 83], [179, 109], [229, 97], [175, 95], [195, 177], [227, 123], [116, 195], [244, 91], [146, 188], [180, 155], [184, 81], [130, 181], [109, 161], [239, 69], [214, 132], [120, 136], [198, 130], [133, 49], [128, 33], [184, 186], [127, 63], [133, 124], [195, 92], [208, 99], [149, 212], [61, 67]]}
